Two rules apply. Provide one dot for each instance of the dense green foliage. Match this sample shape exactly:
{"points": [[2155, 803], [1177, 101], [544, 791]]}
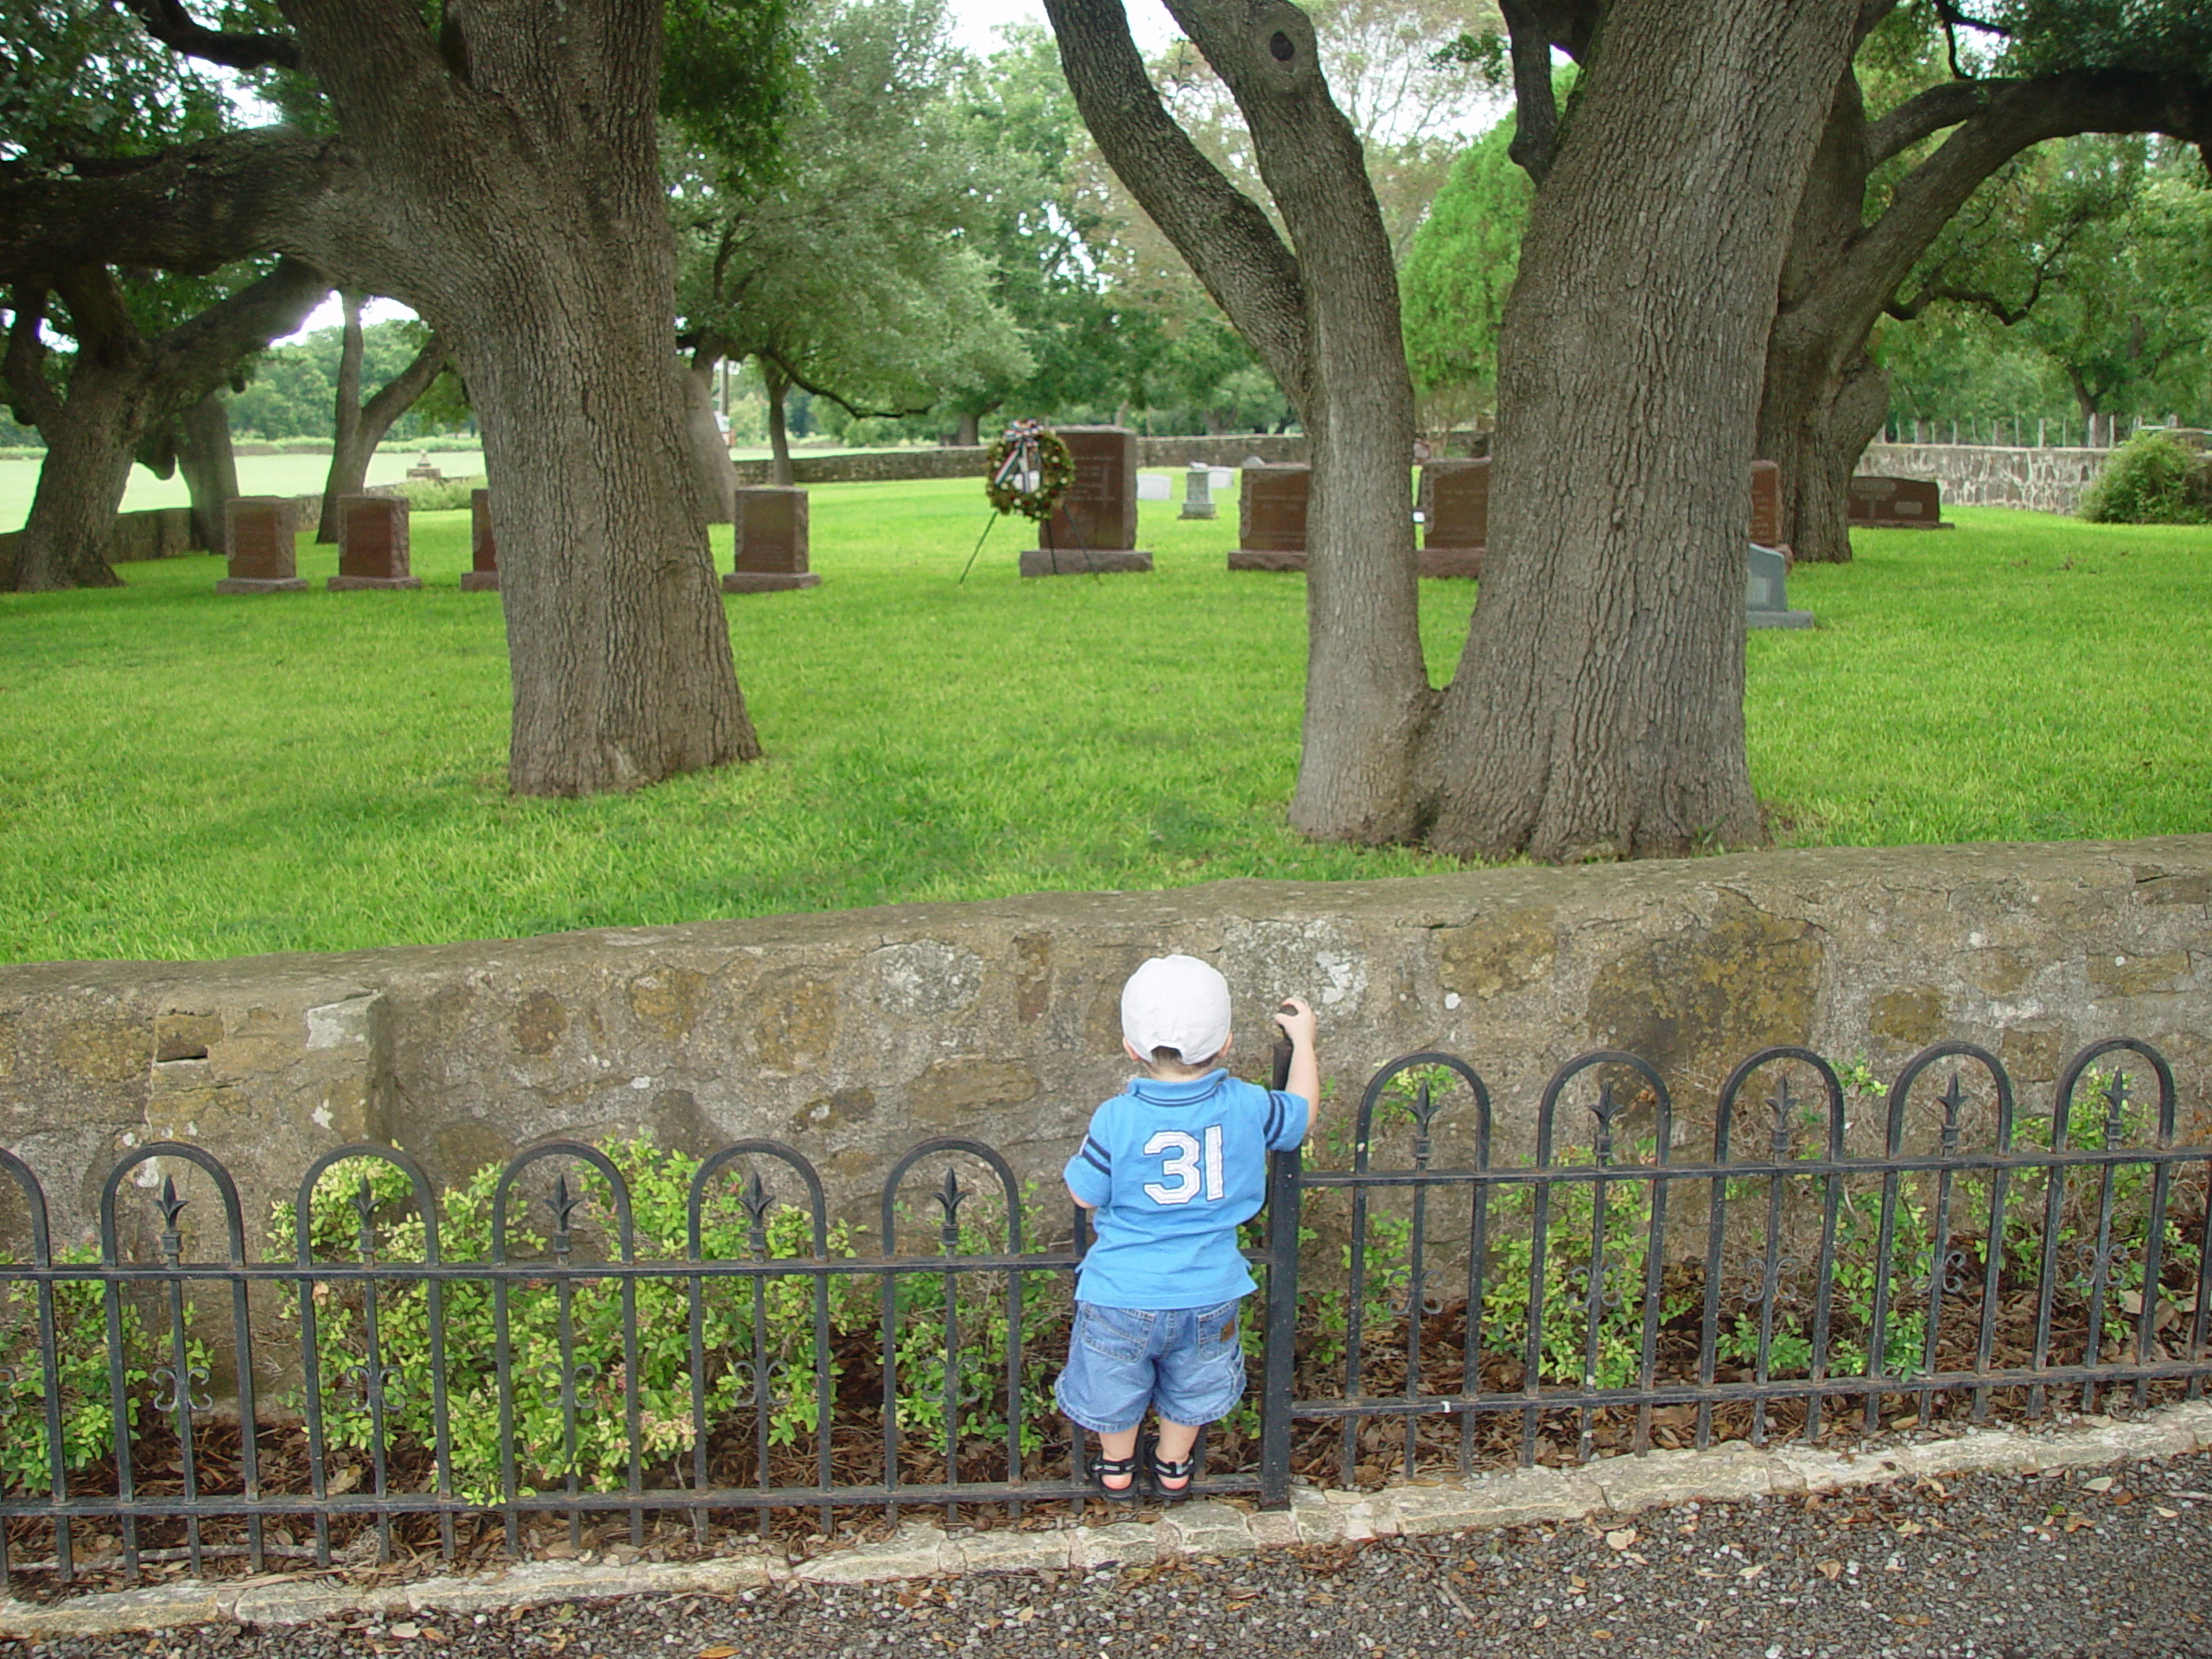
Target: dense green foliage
{"points": [[1457, 272], [2153, 479], [1990, 683]]}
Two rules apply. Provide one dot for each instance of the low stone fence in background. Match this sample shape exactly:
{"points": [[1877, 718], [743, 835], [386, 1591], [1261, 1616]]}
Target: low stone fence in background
{"points": [[850, 1034], [954, 460], [1973, 475]]}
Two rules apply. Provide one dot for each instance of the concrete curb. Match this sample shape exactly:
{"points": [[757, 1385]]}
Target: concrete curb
{"points": [[1610, 1487]]}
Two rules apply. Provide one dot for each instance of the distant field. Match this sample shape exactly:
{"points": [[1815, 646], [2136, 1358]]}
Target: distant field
{"points": [[188, 775], [266, 475]]}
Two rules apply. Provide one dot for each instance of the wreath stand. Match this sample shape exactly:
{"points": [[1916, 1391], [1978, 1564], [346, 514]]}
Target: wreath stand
{"points": [[1026, 451]]}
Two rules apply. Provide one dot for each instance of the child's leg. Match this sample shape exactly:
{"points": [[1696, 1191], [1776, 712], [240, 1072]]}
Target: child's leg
{"points": [[1118, 1448], [1173, 1446]]}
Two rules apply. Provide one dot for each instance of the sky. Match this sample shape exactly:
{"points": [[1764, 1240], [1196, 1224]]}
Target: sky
{"points": [[973, 25]]}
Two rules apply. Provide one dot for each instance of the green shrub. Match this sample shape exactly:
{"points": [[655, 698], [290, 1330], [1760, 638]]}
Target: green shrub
{"points": [[2153, 479], [425, 495]]}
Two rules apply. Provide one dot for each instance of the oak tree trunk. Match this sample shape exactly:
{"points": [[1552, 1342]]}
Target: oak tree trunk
{"points": [[349, 459], [1598, 707], [712, 475], [1322, 313], [122, 386], [779, 437], [90, 441], [517, 206], [204, 456], [360, 426]]}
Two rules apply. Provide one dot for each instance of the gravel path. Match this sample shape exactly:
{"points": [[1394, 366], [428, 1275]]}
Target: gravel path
{"points": [[2088, 1562]]}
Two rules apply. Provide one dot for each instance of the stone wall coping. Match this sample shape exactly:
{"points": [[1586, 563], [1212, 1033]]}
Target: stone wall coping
{"points": [[1418, 900], [1731, 1472]]}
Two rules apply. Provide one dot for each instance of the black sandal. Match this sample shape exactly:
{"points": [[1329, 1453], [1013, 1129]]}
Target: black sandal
{"points": [[1160, 1470], [1097, 1467]]}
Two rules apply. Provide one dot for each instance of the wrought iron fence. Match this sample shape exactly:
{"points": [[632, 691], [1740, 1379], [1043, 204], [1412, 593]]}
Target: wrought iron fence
{"points": [[614, 1338]]}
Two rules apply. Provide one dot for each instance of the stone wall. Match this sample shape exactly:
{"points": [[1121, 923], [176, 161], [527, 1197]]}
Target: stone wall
{"points": [[952, 460], [854, 1034], [2048, 480]]}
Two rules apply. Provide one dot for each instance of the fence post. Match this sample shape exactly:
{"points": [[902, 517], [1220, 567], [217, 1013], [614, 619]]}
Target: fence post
{"points": [[1277, 1353]]}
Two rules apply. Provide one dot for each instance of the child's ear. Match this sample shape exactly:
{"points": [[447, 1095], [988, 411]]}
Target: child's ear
{"points": [[1129, 1049]]}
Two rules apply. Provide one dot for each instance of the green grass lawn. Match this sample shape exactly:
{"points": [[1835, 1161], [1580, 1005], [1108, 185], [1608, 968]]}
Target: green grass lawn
{"points": [[186, 775]]}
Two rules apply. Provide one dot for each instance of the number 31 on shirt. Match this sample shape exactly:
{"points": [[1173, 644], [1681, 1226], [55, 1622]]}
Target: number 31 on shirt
{"points": [[1182, 1163]]}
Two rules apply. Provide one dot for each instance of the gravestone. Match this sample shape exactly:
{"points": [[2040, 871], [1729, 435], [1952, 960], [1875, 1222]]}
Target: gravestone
{"points": [[1455, 507], [1094, 528], [372, 544], [1766, 504], [1271, 518], [483, 575], [1197, 495], [1897, 503], [771, 538], [1765, 605], [260, 544]]}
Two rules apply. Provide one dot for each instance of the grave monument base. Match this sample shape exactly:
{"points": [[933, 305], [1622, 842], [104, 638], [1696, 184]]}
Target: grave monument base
{"points": [[480, 581], [1075, 562], [261, 585], [1266, 558], [1465, 562], [348, 584], [768, 582], [1778, 619]]}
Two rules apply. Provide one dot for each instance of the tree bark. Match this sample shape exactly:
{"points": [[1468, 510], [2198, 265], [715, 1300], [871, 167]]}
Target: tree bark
{"points": [[711, 471], [210, 468], [90, 436], [777, 387], [360, 426], [1322, 313], [1598, 709]]}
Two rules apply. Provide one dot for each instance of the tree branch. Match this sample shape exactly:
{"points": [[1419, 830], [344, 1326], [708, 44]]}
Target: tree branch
{"points": [[24, 369], [1535, 112], [2015, 115], [1919, 117], [168, 21], [1227, 240], [196, 357], [193, 208], [397, 395], [858, 411]]}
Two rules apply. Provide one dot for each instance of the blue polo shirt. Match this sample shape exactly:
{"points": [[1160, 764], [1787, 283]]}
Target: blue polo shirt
{"points": [[1171, 1169]]}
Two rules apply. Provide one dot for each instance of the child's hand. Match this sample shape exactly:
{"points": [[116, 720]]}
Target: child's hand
{"points": [[1295, 1017]]}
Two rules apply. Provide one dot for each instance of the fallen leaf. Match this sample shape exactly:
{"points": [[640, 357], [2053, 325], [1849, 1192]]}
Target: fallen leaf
{"points": [[1577, 1581], [2102, 1484], [1601, 1636], [2170, 1514], [2120, 1499], [1916, 1619], [1621, 1538], [1910, 1530], [1751, 1572], [1830, 1570], [726, 1651], [1542, 1620]]}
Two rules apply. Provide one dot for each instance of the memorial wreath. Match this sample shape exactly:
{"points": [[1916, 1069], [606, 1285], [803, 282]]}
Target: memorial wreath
{"points": [[1030, 470]]}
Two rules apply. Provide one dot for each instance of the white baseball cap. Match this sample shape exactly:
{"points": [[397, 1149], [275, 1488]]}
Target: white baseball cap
{"points": [[1176, 1002]]}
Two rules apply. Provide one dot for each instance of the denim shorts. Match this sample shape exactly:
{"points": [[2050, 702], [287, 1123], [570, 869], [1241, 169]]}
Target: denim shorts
{"points": [[1187, 1364]]}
